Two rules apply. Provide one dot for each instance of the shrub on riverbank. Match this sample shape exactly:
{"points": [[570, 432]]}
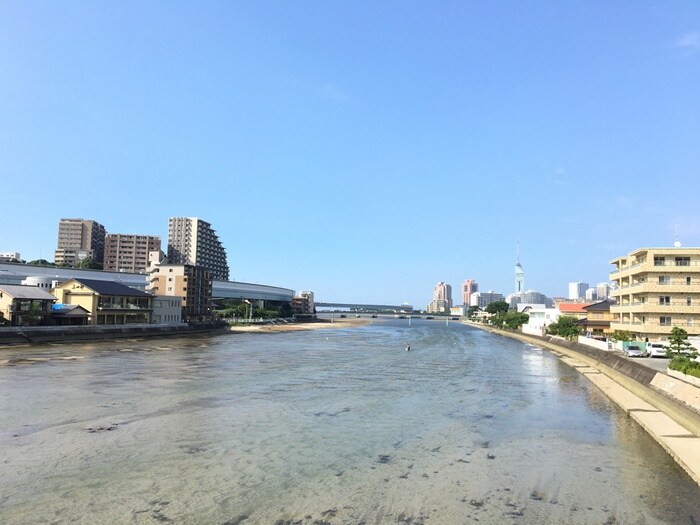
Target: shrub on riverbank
{"points": [[685, 365]]}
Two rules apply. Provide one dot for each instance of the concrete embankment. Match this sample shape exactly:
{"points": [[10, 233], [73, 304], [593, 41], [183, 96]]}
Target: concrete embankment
{"points": [[39, 334], [667, 407]]}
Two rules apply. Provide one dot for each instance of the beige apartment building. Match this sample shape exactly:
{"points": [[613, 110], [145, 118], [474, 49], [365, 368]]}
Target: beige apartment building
{"points": [[128, 252], [191, 283], [79, 239], [656, 289], [442, 299]]}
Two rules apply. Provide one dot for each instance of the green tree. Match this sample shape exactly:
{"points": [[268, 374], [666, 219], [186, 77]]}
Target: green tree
{"points": [[30, 317], [621, 335], [678, 343], [471, 311], [514, 320], [565, 327], [497, 307], [89, 264], [41, 262]]}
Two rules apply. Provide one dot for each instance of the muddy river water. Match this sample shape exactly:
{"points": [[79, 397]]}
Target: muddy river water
{"points": [[331, 426]]}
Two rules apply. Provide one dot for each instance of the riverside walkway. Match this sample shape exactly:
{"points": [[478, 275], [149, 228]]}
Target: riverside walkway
{"points": [[674, 425]]}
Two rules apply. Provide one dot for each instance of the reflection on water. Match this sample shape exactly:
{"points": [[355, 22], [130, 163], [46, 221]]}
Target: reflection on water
{"points": [[330, 426]]}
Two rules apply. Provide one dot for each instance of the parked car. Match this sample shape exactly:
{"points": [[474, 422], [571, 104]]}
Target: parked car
{"points": [[656, 350], [634, 351]]}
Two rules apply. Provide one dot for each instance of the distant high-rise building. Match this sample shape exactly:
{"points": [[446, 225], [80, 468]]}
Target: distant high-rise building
{"points": [[602, 291], [193, 241], [129, 253], [442, 299], [577, 290], [469, 287], [483, 299], [519, 274], [79, 239]]}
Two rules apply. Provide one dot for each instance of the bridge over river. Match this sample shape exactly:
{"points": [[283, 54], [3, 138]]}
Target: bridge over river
{"points": [[355, 307]]}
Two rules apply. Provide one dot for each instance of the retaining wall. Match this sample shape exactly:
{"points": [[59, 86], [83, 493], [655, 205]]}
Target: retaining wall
{"points": [[44, 334]]}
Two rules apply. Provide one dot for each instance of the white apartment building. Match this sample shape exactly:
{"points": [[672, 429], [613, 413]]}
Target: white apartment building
{"points": [[656, 289], [483, 299]]}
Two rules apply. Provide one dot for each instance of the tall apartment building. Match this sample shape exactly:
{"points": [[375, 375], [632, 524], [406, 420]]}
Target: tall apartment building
{"points": [[79, 239], [193, 241], [602, 291], [442, 299], [656, 289], [192, 283], [129, 253], [469, 287]]}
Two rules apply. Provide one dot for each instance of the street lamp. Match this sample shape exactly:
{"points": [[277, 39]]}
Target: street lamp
{"points": [[250, 312]]}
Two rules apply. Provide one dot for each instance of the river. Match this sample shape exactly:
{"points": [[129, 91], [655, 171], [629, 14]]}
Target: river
{"points": [[331, 426]]}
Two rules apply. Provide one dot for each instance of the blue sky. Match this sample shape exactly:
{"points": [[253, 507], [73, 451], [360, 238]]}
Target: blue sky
{"points": [[363, 150]]}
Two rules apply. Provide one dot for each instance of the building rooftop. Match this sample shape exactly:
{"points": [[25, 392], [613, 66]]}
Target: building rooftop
{"points": [[110, 288], [25, 292]]}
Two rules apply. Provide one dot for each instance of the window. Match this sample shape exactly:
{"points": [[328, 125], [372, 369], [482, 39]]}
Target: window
{"points": [[665, 300], [664, 279], [665, 320], [659, 261], [689, 301], [682, 261], [689, 321], [688, 280]]}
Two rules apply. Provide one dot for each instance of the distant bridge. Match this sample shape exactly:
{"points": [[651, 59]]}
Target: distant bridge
{"points": [[367, 307]]}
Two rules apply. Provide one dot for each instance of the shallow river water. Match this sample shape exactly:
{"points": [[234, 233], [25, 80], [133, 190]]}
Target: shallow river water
{"points": [[333, 426]]}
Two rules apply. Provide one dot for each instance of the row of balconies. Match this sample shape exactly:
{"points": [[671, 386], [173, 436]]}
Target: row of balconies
{"points": [[661, 309], [668, 266]]}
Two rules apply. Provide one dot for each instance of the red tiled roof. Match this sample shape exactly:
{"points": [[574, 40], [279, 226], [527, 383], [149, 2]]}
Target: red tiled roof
{"points": [[571, 308]]}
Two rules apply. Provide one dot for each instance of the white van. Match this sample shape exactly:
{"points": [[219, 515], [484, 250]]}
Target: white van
{"points": [[656, 349]]}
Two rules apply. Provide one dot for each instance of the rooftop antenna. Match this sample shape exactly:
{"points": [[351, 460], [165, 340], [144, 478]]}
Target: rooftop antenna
{"points": [[676, 243]]}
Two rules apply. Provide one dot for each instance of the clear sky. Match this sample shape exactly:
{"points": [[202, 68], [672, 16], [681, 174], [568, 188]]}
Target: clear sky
{"points": [[363, 150]]}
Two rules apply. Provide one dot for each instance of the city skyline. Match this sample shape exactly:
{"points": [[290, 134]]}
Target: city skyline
{"points": [[365, 164]]}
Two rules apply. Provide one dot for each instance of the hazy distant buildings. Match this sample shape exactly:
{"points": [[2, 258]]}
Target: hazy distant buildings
{"points": [[79, 239], [469, 287], [530, 297], [577, 290], [192, 241], [602, 291], [483, 299], [442, 299], [129, 253]]}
